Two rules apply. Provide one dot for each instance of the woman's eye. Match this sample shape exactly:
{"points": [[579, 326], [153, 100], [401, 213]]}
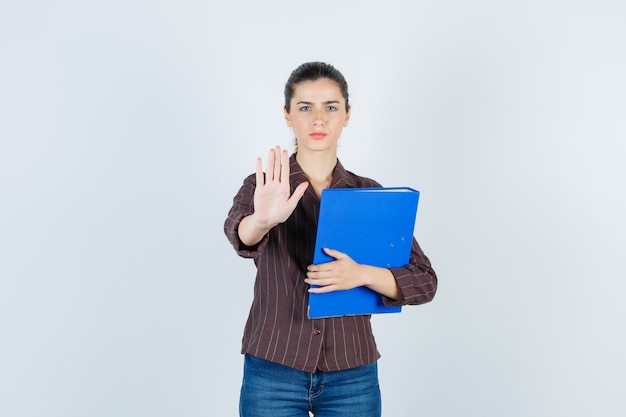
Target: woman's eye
{"points": [[305, 108], [331, 108]]}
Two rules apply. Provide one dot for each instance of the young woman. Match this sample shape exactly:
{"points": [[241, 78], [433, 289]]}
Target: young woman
{"points": [[294, 365]]}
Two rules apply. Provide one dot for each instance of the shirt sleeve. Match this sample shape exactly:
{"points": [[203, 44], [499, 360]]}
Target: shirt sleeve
{"points": [[417, 280], [243, 205]]}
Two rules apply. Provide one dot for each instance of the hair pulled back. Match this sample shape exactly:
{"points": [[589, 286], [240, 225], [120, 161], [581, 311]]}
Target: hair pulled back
{"points": [[312, 71]]}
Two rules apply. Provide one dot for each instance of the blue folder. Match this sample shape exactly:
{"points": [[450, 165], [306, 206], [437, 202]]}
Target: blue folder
{"points": [[374, 226]]}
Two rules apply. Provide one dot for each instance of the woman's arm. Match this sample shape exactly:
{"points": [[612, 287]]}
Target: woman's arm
{"points": [[343, 274], [417, 280], [415, 283]]}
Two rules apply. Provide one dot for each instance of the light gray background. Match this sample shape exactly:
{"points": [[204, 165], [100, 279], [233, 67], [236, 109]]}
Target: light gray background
{"points": [[126, 127]]}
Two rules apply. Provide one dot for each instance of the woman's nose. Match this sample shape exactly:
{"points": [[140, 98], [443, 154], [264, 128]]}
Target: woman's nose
{"points": [[318, 119]]}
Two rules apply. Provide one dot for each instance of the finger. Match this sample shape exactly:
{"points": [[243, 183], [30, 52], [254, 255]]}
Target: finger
{"points": [[277, 164], [321, 282], [259, 172], [319, 267], [298, 193], [269, 170], [334, 253], [322, 271], [321, 290], [284, 173], [316, 275]]}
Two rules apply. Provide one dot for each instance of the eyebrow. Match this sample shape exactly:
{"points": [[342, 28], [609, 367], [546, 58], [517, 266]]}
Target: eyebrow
{"points": [[325, 102]]}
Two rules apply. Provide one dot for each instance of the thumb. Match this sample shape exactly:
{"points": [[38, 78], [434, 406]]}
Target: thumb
{"points": [[334, 253], [298, 193]]}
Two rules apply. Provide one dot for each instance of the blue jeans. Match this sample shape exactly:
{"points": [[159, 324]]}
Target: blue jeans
{"points": [[273, 390]]}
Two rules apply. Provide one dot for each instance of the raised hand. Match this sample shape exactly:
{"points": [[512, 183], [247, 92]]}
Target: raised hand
{"points": [[273, 203]]}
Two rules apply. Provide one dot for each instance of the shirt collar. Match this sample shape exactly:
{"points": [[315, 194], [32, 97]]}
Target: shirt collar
{"points": [[341, 177]]}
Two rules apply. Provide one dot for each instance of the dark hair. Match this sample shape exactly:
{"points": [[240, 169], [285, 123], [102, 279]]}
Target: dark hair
{"points": [[312, 71]]}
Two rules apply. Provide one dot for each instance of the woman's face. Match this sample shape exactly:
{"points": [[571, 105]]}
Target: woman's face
{"points": [[317, 115]]}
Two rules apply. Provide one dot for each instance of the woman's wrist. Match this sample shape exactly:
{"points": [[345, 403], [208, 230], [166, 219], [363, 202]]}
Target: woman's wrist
{"points": [[251, 230]]}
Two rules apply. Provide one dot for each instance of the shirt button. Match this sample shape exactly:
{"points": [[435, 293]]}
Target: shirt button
{"points": [[317, 331]]}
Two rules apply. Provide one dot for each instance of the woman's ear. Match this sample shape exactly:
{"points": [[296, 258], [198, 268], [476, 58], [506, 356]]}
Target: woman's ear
{"points": [[287, 118], [345, 123]]}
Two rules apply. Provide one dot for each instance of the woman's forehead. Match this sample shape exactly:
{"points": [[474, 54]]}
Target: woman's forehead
{"points": [[321, 89]]}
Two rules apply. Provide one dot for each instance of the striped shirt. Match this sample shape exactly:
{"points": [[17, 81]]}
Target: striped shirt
{"points": [[278, 328]]}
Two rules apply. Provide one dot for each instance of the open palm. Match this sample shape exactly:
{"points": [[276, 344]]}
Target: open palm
{"points": [[273, 203]]}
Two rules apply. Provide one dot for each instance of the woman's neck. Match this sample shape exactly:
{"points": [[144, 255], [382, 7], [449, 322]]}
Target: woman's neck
{"points": [[318, 166]]}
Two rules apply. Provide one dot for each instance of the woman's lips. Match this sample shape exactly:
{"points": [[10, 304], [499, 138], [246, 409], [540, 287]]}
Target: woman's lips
{"points": [[317, 135]]}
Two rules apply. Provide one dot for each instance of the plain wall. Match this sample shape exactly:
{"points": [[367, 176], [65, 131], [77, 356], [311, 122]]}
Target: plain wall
{"points": [[126, 127]]}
